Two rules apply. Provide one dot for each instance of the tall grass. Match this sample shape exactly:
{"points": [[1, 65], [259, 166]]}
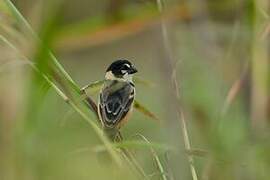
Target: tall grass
{"points": [[260, 69], [208, 68], [171, 61], [49, 68], [78, 108]]}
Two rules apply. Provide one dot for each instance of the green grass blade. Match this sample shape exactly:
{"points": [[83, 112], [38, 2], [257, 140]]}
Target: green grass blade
{"points": [[19, 17], [98, 131], [142, 109], [156, 158], [93, 87], [21, 20], [138, 145]]}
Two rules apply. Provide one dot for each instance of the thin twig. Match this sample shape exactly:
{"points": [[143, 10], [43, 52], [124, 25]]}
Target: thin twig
{"points": [[169, 168], [175, 84], [131, 159], [135, 163], [234, 90], [91, 103], [156, 158], [133, 167]]}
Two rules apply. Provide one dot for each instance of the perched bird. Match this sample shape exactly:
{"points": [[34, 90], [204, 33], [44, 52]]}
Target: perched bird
{"points": [[116, 97]]}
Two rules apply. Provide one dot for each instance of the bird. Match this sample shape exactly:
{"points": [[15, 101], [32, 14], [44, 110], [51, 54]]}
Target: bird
{"points": [[116, 98]]}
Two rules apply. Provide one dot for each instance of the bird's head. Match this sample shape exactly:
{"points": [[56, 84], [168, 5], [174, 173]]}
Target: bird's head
{"points": [[120, 70]]}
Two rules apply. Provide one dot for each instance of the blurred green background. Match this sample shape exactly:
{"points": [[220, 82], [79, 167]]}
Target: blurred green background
{"points": [[216, 51]]}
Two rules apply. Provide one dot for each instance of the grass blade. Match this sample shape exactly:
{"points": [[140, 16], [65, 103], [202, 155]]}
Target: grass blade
{"points": [[138, 145], [145, 111], [99, 132], [168, 50], [93, 87], [156, 158], [21, 20]]}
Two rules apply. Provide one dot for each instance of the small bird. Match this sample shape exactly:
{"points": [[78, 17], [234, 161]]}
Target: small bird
{"points": [[116, 97]]}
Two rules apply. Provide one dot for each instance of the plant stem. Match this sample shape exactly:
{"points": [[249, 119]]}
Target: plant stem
{"points": [[180, 113], [99, 132], [259, 67], [156, 158], [21, 20]]}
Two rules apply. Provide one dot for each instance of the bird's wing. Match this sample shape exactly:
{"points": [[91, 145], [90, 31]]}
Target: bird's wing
{"points": [[115, 101]]}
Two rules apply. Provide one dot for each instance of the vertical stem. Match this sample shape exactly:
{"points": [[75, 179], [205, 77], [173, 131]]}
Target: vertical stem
{"points": [[98, 131], [259, 65], [168, 50], [21, 20]]}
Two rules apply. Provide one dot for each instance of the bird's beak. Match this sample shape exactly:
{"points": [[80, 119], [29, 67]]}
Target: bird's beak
{"points": [[133, 70]]}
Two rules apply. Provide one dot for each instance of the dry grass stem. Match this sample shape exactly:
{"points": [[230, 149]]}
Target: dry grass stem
{"points": [[181, 117]]}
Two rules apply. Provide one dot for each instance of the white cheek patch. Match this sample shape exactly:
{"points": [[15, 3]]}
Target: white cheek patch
{"points": [[123, 71], [126, 77], [109, 75]]}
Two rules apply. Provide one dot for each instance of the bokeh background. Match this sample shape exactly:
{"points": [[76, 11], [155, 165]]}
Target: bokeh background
{"points": [[209, 68]]}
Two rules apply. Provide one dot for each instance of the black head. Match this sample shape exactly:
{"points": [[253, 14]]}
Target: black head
{"points": [[121, 67]]}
